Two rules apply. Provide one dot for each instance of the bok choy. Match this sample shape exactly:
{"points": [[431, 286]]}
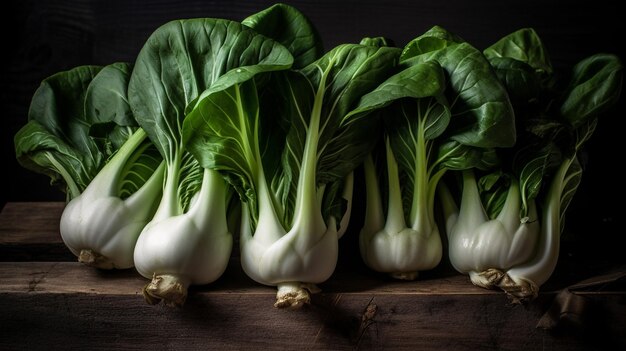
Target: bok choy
{"points": [[82, 133], [222, 127], [293, 199], [506, 233], [188, 240], [444, 110]]}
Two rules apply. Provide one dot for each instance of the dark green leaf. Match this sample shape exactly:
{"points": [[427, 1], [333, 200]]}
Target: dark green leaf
{"points": [[456, 156], [377, 41], [595, 87], [521, 81], [435, 39], [525, 46], [482, 114], [290, 27], [56, 139], [584, 132], [106, 101], [412, 120], [417, 81]]}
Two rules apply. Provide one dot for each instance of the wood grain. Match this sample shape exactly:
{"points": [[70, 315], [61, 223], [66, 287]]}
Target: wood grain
{"points": [[30, 222], [74, 307], [67, 304], [29, 231], [71, 277]]}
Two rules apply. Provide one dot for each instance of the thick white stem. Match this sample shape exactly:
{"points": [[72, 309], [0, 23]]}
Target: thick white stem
{"points": [[471, 214], [170, 204], [536, 272], [307, 213], [374, 216], [395, 211], [270, 227], [209, 209]]}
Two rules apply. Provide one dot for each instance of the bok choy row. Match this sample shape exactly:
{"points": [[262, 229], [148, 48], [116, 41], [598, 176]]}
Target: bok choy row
{"points": [[251, 128]]}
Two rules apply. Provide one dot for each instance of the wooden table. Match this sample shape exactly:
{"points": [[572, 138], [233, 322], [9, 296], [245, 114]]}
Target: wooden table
{"points": [[49, 301]]}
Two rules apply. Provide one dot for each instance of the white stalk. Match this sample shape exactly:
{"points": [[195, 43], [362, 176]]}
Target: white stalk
{"points": [[531, 275], [189, 248], [374, 216], [101, 228], [395, 248], [307, 253], [489, 250]]}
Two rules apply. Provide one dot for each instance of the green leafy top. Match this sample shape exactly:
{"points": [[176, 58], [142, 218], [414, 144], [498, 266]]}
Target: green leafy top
{"points": [[445, 109], [182, 59], [553, 124], [482, 115], [321, 96], [77, 120], [315, 107]]}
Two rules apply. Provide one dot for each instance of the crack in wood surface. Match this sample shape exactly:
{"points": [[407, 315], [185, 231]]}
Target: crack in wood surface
{"points": [[34, 282], [367, 319]]}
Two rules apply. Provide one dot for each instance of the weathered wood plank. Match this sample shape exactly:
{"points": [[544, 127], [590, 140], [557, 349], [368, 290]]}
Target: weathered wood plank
{"points": [[30, 222], [71, 277], [65, 303], [29, 231], [41, 305]]}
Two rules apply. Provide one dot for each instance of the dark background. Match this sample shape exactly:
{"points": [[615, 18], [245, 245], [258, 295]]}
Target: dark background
{"points": [[44, 37]]}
